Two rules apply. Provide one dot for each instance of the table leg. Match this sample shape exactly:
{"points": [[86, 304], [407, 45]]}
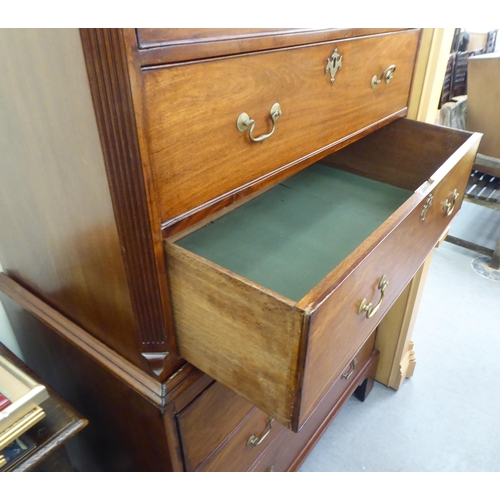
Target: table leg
{"points": [[495, 260]]}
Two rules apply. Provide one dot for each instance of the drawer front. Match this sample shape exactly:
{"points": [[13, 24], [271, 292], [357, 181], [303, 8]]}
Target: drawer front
{"points": [[337, 329], [350, 371], [154, 37], [185, 44], [289, 449], [208, 422], [446, 198], [197, 152], [238, 454]]}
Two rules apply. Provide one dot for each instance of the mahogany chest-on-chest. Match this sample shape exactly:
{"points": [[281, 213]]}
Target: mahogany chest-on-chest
{"points": [[202, 230]]}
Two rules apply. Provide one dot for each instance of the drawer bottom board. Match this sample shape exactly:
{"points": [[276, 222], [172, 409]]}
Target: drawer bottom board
{"points": [[308, 223]]}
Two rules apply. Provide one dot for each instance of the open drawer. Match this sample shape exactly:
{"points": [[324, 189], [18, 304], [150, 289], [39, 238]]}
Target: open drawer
{"points": [[275, 297]]}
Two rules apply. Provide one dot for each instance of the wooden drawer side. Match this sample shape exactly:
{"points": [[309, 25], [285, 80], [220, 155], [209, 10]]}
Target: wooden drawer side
{"points": [[240, 334]]}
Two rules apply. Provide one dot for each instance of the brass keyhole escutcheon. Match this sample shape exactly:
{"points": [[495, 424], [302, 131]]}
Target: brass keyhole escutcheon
{"points": [[427, 205], [334, 64]]}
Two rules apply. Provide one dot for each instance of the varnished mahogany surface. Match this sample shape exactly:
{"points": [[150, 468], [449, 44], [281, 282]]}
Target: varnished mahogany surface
{"points": [[289, 450], [126, 430], [208, 422], [182, 44], [133, 414], [235, 455], [57, 231], [197, 153], [398, 257], [127, 372], [114, 79], [200, 215]]}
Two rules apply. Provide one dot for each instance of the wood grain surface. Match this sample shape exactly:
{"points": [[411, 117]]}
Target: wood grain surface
{"points": [[73, 334], [126, 431], [235, 455], [238, 333], [289, 450], [58, 233], [112, 77], [214, 414], [166, 45], [198, 154], [336, 328]]}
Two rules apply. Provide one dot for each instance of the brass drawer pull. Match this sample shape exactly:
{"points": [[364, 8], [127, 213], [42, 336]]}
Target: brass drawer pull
{"points": [[255, 441], [427, 205], [449, 206], [349, 372], [244, 121], [368, 307], [386, 75]]}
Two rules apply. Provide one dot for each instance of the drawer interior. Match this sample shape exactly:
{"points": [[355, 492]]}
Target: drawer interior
{"points": [[289, 238]]}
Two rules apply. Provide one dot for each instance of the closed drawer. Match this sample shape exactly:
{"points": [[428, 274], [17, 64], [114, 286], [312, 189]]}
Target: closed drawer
{"points": [[197, 153], [238, 454], [267, 298], [283, 451], [208, 422], [184, 44], [289, 449], [156, 37]]}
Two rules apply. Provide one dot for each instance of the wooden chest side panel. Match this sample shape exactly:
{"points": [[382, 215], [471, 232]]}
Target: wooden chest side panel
{"points": [[239, 334], [126, 429], [58, 232], [197, 152]]}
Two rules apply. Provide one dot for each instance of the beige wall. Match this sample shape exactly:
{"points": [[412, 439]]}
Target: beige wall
{"points": [[6, 335]]}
